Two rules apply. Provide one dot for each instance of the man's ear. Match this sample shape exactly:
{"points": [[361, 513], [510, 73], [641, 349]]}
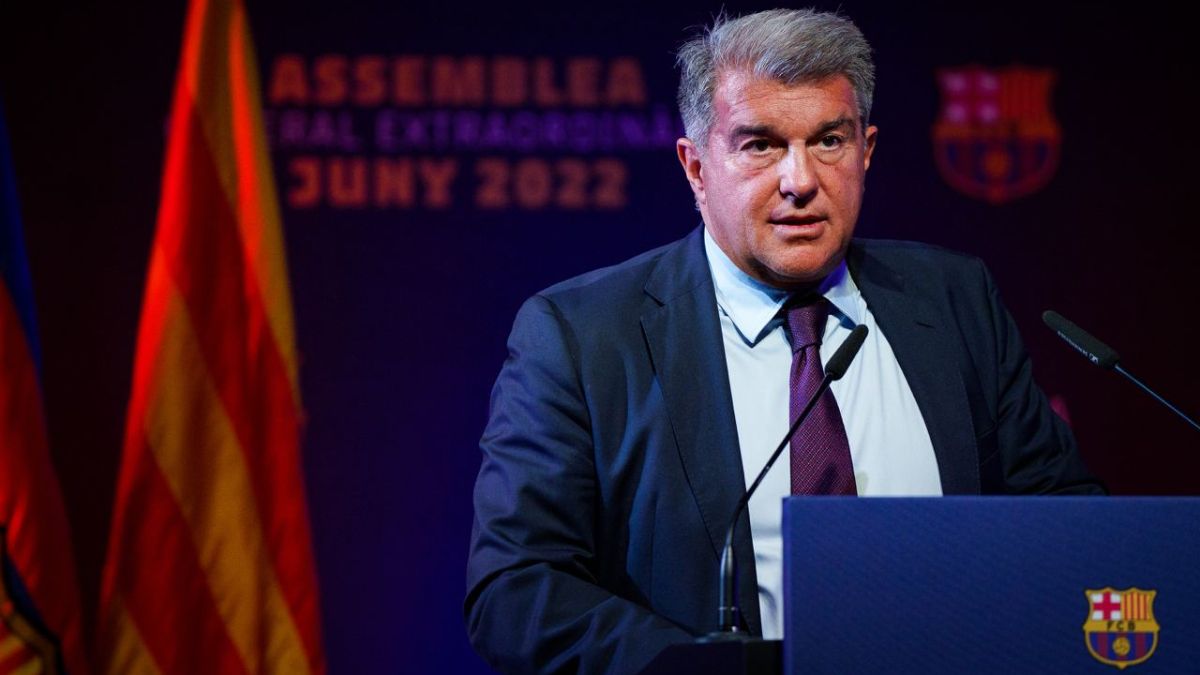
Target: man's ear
{"points": [[689, 159], [872, 133]]}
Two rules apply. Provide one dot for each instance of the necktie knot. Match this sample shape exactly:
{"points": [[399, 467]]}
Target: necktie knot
{"points": [[804, 321]]}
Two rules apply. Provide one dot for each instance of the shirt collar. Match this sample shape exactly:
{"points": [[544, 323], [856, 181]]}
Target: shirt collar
{"points": [[753, 306]]}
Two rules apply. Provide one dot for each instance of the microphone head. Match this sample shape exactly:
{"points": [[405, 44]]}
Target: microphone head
{"points": [[1096, 351], [841, 359]]}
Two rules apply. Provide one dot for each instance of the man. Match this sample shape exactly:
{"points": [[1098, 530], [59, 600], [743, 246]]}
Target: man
{"points": [[638, 401]]}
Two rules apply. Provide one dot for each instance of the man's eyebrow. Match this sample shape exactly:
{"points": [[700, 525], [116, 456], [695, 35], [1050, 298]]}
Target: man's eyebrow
{"points": [[833, 125], [744, 130]]}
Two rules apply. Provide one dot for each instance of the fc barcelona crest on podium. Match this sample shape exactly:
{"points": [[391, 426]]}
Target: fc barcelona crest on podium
{"points": [[1120, 629], [995, 138]]}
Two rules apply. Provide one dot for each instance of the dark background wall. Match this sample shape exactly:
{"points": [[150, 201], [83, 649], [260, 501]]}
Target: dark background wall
{"points": [[402, 308]]}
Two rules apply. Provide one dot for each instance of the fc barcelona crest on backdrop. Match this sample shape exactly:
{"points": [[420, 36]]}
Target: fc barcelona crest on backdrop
{"points": [[1120, 628], [995, 138]]}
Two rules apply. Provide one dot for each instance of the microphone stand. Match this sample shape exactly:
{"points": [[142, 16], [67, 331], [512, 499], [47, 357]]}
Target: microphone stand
{"points": [[728, 610]]}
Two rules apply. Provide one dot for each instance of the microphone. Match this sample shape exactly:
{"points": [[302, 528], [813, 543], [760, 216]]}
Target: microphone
{"points": [[1094, 350], [1102, 355], [729, 610]]}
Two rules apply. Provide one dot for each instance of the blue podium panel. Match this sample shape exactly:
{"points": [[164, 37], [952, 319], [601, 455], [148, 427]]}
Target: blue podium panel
{"points": [[991, 585]]}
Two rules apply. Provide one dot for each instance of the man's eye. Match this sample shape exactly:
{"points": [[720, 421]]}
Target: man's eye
{"points": [[832, 141], [757, 145]]}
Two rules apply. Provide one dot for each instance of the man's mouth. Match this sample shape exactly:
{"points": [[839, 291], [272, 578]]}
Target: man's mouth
{"points": [[796, 220]]}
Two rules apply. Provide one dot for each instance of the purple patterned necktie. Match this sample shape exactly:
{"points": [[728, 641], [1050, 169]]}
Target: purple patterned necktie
{"points": [[820, 452]]}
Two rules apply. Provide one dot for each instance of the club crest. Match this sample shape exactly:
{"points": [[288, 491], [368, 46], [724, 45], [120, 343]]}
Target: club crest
{"points": [[1120, 628], [995, 138]]}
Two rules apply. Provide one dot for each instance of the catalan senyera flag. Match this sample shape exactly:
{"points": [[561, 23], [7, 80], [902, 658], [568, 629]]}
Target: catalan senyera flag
{"points": [[209, 566], [40, 614]]}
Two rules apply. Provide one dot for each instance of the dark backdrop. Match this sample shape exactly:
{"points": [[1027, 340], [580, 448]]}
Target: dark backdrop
{"points": [[403, 301]]}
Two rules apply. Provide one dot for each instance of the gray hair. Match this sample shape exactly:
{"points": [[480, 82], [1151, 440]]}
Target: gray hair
{"points": [[792, 46]]}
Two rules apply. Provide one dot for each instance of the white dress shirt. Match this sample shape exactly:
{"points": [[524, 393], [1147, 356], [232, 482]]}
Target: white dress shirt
{"points": [[889, 443]]}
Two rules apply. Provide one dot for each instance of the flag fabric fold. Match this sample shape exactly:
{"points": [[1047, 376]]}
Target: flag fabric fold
{"points": [[40, 616], [209, 566]]}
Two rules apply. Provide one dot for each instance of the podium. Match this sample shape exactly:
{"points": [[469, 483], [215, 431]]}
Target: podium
{"points": [[983, 585]]}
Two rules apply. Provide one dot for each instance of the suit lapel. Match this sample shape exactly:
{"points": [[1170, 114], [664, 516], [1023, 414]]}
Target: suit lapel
{"points": [[928, 356], [683, 334]]}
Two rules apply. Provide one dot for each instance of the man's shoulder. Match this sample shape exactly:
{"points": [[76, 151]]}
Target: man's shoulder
{"points": [[914, 261], [902, 252], [628, 272], [617, 286]]}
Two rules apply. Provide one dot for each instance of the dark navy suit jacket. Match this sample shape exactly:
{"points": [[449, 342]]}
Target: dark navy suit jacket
{"points": [[611, 464]]}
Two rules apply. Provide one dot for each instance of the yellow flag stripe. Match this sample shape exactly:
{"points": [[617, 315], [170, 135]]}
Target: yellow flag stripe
{"points": [[30, 667], [9, 645], [198, 453], [258, 206], [129, 654], [1135, 606]]}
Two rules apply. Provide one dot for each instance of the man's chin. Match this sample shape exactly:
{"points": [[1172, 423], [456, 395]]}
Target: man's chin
{"points": [[801, 272], [794, 280]]}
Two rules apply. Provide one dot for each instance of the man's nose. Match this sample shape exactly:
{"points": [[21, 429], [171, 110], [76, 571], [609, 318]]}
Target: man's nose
{"points": [[797, 178]]}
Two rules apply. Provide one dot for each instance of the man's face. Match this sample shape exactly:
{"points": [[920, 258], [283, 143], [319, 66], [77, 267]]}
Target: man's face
{"points": [[780, 181]]}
